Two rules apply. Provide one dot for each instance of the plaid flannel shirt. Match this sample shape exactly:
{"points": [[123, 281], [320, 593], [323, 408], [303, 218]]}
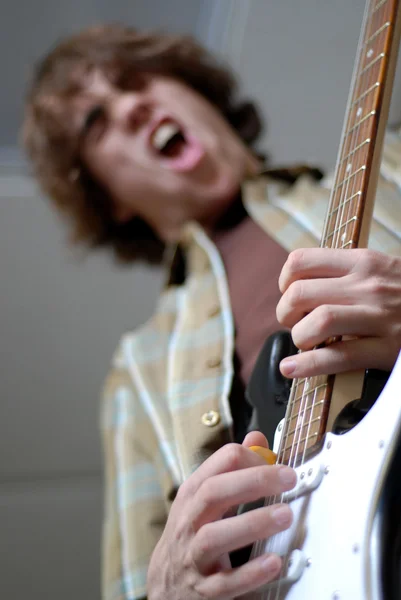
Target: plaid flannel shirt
{"points": [[166, 400]]}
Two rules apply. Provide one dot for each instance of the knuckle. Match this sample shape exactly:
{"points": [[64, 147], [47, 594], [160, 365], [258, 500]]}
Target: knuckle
{"points": [[295, 294], [232, 455], [257, 526], [262, 477], [298, 337], [312, 361], [326, 317], [378, 287], [295, 260], [204, 542], [202, 589], [186, 490], [207, 493], [370, 260], [219, 589], [280, 311]]}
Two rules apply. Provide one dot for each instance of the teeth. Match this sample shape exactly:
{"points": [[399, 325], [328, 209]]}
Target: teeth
{"points": [[163, 134]]}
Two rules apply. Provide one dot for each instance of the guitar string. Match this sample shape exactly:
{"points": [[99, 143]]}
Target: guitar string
{"points": [[270, 500], [307, 381], [306, 386], [348, 209], [340, 240], [280, 458], [281, 536], [344, 191]]}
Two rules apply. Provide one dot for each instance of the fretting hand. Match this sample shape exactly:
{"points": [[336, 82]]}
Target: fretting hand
{"points": [[328, 293]]}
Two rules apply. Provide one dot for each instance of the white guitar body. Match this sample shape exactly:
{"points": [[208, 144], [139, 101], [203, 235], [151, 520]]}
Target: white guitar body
{"points": [[335, 540]]}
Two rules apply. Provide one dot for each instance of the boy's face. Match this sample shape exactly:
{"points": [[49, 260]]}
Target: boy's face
{"points": [[162, 151]]}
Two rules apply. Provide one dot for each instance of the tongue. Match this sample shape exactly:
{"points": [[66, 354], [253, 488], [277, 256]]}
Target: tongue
{"points": [[184, 154]]}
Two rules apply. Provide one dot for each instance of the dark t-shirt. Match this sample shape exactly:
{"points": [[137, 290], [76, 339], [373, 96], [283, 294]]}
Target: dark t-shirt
{"points": [[253, 262]]}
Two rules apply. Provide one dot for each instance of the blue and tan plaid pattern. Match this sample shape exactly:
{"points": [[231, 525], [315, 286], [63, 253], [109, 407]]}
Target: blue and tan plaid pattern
{"points": [[174, 370]]}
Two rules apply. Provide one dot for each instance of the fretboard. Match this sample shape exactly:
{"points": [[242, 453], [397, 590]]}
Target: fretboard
{"points": [[307, 411], [361, 125]]}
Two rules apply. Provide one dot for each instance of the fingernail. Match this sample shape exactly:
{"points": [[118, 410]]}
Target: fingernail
{"points": [[282, 515], [287, 476], [287, 366], [272, 564]]}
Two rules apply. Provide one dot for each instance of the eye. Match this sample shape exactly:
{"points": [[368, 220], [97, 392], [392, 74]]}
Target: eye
{"points": [[94, 124]]}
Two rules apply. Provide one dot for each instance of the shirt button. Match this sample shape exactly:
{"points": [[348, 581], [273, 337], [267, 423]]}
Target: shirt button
{"points": [[213, 363], [211, 418]]}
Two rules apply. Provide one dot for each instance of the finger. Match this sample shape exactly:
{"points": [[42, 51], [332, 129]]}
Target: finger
{"points": [[226, 585], [231, 457], [331, 321], [216, 539], [316, 263], [255, 438], [302, 297], [217, 494], [366, 353]]}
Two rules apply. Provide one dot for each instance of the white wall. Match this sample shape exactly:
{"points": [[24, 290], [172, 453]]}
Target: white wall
{"points": [[60, 319], [296, 58]]}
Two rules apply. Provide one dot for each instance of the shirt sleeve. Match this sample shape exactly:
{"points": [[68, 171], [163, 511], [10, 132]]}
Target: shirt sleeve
{"points": [[135, 510]]}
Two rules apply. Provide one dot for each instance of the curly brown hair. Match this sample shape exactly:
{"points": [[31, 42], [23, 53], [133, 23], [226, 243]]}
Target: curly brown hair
{"points": [[121, 53]]}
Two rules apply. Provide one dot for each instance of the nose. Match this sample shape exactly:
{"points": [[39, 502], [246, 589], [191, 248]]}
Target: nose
{"points": [[130, 110]]}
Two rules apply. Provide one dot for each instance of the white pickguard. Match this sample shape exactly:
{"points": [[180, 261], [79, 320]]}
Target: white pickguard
{"points": [[334, 533]]}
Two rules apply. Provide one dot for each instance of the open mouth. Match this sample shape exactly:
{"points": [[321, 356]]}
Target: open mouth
{"points": [[168, 140], [180, 151]]}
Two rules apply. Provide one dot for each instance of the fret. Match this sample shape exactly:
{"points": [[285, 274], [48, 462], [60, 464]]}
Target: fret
{"points": [[373, 62], [363, 168], [362, 96], [367, 141], [306, 388], [362, 108], [378, 32], [301, 389], [307, 392], [352, 165], [297, 428], [370, 114], [349, 243], [333, 239], [301, 441], [338, 229], [343, 203], [310, 407], [376, 8], [310, 397], [303, 380], [358, 136], [367, 79]]}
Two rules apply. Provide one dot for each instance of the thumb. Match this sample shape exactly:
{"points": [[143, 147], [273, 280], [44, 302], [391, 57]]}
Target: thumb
{"points": [[255, 438], [257, 442]]}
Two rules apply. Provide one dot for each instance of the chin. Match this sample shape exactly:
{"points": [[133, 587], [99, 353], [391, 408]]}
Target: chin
{"points": [[218, 198], [228, 186]]}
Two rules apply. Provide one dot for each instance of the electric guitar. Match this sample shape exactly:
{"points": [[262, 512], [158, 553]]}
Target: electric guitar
{"points": [[345, 541]]}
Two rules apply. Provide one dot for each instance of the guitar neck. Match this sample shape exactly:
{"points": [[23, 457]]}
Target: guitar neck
{"points": [[351, 203]]}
